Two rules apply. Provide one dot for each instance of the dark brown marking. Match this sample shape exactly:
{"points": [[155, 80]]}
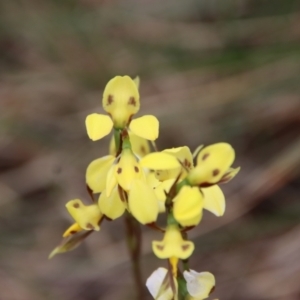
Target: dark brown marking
{"points": [[186, 163], [110, 99], [119, 171], [136, 169], [212, 289], [90, 226], [205, 156], [73, 231], [132, 101], [160, 247], [143, 150], [76, 205], [215, 172], [185, 247]]}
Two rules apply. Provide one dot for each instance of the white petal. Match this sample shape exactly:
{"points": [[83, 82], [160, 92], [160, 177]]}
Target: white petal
{"points": [[155, 281]]}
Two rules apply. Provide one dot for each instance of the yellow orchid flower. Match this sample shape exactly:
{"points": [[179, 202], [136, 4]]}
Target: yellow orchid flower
{"points": [[173, 245], [121, 100], [212, 164], [87, 217], [210, 160]]}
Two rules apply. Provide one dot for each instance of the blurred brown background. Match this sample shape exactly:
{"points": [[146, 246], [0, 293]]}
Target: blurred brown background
{"points": [[211, 70]]}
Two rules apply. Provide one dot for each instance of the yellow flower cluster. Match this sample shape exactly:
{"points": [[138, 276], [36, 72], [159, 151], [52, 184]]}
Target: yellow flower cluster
{"points": [[145, 184]]}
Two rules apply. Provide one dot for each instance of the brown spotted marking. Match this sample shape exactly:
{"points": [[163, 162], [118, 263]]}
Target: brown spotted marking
{"points": [[132, 101], [205, 156], [76, 205], [119, 171], [216, 172], [110, 99], [186, 163], [160, 247], [136, 169], [73, 231], [89, 226], [143, 150], [185, 247]]}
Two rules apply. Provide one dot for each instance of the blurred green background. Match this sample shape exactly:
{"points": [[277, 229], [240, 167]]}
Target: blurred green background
{"points": [[211, 70]]}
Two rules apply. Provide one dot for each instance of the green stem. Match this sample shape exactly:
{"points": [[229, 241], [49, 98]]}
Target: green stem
{"points": [[134, 242]]}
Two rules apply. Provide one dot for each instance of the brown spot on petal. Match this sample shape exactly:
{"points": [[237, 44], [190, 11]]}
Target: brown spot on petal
{"points": [[205, 156], [119, 171], [110, 99], [215, 172], [187, 164], [160, 247], [76, 205], [143, 150], [132, 101], [136, 169], [89, 226], [185, 247], [73, 231]]}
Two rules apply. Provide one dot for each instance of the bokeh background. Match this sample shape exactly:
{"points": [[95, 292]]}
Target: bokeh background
{"points": [[211, 70]]}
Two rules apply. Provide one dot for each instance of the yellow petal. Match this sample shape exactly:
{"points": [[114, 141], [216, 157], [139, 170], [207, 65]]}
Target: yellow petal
{"points": [[163, 175], [127, 169], [212, 163], [87, 216], [152, 180], [137, 81], [111, 206], [140, 146], [188, 205], [159, 161], [111, 180], [173, 245], [184, 156], [162, 188], [98, 126], [143, 203], [72, 230], [214, 200], [230, 174], [121, 100], [145, 127], [96, 173]]}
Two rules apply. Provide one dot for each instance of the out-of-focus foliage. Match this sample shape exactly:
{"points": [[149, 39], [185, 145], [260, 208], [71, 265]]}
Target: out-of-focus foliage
{"points": [[213, 70]]}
